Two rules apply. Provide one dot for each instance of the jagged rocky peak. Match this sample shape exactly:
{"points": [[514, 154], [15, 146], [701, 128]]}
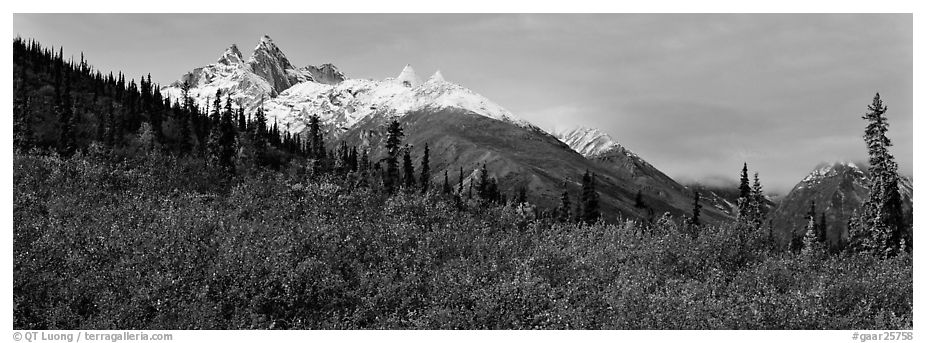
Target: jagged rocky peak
{"points": [[588, 141], [231, 56], [437, 77], [266, 44], [269, 62], [408, 77]]}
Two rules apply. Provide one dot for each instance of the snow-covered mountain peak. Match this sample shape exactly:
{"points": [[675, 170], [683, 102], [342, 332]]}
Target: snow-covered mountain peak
{"points": [[438, 94], [408, 77], [231, 56], [437, 77], [830, 169], [267, 49], [266, 44]]}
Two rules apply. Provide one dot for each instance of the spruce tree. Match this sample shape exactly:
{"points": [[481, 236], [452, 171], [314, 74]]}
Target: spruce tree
{"points": [[364, 164], [638, 200], [184, 131], [352, 159], [242, 123], [493, 195], [216, 116], [227, 136], [797, 241], [343, 157], [214, 146], [757, 209], [744, 200], [425, 170], [393, 145], [155, 116], [446, 188], [408, 170], [522, 195], [577, 212], [810, 242], [260, 138], [883, 230], [590, 211], [316, 144], [483, 186]]}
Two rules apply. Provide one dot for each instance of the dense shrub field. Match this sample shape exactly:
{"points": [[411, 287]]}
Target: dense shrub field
{"points": [[159, 242]]}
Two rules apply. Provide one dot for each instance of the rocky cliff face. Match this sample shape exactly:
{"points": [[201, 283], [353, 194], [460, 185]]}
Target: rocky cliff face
{"points": [[269, 62]]}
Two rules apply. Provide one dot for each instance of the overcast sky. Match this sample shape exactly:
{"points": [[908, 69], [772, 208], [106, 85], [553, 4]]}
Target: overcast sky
{"points": [[695, 95]]}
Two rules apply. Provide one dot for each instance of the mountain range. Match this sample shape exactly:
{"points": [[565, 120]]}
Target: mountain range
{"points": [[462, 128]]}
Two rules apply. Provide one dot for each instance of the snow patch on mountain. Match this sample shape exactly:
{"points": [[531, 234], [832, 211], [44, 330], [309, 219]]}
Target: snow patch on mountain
{"points": [[591, 142], [344, 104]]}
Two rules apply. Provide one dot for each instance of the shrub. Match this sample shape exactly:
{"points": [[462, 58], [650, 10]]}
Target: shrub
{"points": [[105, 241]]}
